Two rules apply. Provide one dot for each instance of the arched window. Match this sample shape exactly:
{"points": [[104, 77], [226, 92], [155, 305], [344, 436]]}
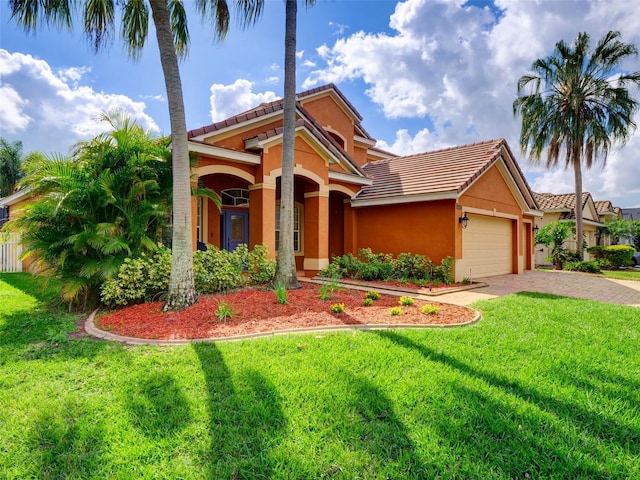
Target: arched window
{"points": [[236, 197], [339, 140]]}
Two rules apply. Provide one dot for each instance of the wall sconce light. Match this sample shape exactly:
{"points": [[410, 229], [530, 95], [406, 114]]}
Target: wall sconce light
{"points": [[463, 220], [535, 229]]}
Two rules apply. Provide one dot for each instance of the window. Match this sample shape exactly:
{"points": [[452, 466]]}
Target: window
{"points": [[297, 223], [235, 197], [199, 218]]}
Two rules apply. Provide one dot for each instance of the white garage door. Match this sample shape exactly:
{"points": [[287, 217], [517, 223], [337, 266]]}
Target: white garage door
{"points": [[487, 246]]}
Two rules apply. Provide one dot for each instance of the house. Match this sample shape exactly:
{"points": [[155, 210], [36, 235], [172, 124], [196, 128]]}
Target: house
{"points": [[10, 245], [470, 202], [562, 207]]}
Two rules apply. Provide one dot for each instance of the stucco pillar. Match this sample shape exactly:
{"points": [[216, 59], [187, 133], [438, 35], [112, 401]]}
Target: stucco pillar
{"points": [[262, 217], [350, 230], [316, 231]]}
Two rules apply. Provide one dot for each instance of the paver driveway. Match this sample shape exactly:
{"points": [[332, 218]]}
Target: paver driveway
{"points": [[568, 284]]}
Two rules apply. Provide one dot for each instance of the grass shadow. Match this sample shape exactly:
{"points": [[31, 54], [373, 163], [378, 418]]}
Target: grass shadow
{"points": [[592, 424], [157, 406], [65, 443], [245, 418]]}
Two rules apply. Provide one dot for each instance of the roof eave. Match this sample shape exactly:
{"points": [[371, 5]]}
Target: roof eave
{"points": [[224, 153], [401, 199]]}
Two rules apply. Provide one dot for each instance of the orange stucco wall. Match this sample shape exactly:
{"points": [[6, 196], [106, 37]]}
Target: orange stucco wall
{"points": [[325, 110], [426, 228], [490, 191]]}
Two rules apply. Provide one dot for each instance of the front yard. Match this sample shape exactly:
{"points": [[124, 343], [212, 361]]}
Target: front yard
{"points": [[542, 387]]}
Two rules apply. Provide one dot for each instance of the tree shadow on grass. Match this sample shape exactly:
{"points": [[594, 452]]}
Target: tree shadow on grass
{"points": [[593, 425], [245, 419], [157, 406], [374, 428], [65, 443]]}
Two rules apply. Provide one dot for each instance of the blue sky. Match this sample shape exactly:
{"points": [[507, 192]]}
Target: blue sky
{"points": [[423, 74]]}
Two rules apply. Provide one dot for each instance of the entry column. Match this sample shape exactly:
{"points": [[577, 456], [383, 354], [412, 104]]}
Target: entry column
{"points": [[262, 216], [316, 231]]}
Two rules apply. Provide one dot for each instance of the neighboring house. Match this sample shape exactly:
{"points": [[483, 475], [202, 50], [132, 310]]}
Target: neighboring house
{"points": [[607, 212], [562, 207], [631, 214], [10, 245], [470, 202]]}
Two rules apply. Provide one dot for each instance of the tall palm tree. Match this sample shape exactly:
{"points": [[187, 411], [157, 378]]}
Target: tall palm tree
{"points": [[286, 266], [575, 104], [172, 34], [10, 166]]}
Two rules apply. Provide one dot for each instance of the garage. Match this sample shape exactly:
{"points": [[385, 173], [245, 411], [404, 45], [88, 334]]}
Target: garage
{"points": [[487, 246]]}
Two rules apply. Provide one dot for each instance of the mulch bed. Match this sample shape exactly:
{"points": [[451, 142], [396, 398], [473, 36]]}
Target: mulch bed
{"points": [[256, 310]]}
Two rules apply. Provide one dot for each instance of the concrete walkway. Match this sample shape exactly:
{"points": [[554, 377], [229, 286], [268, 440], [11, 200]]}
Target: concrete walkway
{"points": [[568, 284]]}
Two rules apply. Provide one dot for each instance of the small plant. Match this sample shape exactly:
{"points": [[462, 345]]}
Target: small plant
{"points": [[281, 293], [373, 295], [406, 301], [224, 311], [421, 282], [429, 309], [395, 311], [466, 281], [367, 302], [327, 290], [338, 308]]}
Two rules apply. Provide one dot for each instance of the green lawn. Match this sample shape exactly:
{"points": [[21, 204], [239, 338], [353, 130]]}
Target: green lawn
{"points": [[623, 274], [542, 387]]}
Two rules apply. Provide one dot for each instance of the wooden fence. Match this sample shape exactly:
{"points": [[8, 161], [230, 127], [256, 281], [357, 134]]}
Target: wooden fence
{"points": [[10, 251]]}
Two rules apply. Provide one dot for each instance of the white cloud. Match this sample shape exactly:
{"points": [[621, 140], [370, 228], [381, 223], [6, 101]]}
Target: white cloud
{"points": [[229, 100], [459, 74], [59, 111]]}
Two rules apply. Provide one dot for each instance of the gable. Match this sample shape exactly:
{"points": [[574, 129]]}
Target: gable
{"points": [[332, 117], [491, 190]]}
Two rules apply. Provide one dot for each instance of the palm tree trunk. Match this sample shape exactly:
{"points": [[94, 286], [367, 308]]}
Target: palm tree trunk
{"points": [[286, 267], [182, 291], [577, 171]]}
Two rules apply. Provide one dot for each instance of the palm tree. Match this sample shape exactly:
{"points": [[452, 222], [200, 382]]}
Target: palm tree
{"points": [[10, 166], [172, 34], [107, 202], [286, 266], [576, 102]]}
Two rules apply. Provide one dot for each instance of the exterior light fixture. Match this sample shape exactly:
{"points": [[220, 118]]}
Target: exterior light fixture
{"points": [[535, 229], [463, 220]]}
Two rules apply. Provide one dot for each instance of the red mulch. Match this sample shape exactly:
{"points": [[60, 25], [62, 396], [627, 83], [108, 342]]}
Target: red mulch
{"points": [[256, 311]]}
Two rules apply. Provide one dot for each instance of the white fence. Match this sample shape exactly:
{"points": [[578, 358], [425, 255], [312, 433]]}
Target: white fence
{"points": [[10, 251]]}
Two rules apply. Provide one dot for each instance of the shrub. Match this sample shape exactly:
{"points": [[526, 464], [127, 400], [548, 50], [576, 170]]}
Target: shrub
{"points": [[429, 309], [395, 311], [588, 267], [604, 264], [338, 308], [138, 279], [444, 272], [334, 269], [367, 302], [224, 311], [619, 255], [596, 252], [216, 270], [406, 301], [408, 265], [261, 269]]}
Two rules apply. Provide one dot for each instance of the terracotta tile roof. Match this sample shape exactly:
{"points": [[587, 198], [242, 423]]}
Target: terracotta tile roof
{"points": [[603, 206], [563, 201], [443, 171]]}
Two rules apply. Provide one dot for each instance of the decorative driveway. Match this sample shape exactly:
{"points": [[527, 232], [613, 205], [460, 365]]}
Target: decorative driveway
{"points": [[568, 284]]}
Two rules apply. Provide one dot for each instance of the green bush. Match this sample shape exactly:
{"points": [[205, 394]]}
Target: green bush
{"points": [[582, 266], [619, 255], [138, 279], [370, 266], [141, 279], [596, 251], [261, 269], [216, 270]]}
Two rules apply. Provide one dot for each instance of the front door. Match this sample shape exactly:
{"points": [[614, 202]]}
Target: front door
{"points": [[235, 228]]}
